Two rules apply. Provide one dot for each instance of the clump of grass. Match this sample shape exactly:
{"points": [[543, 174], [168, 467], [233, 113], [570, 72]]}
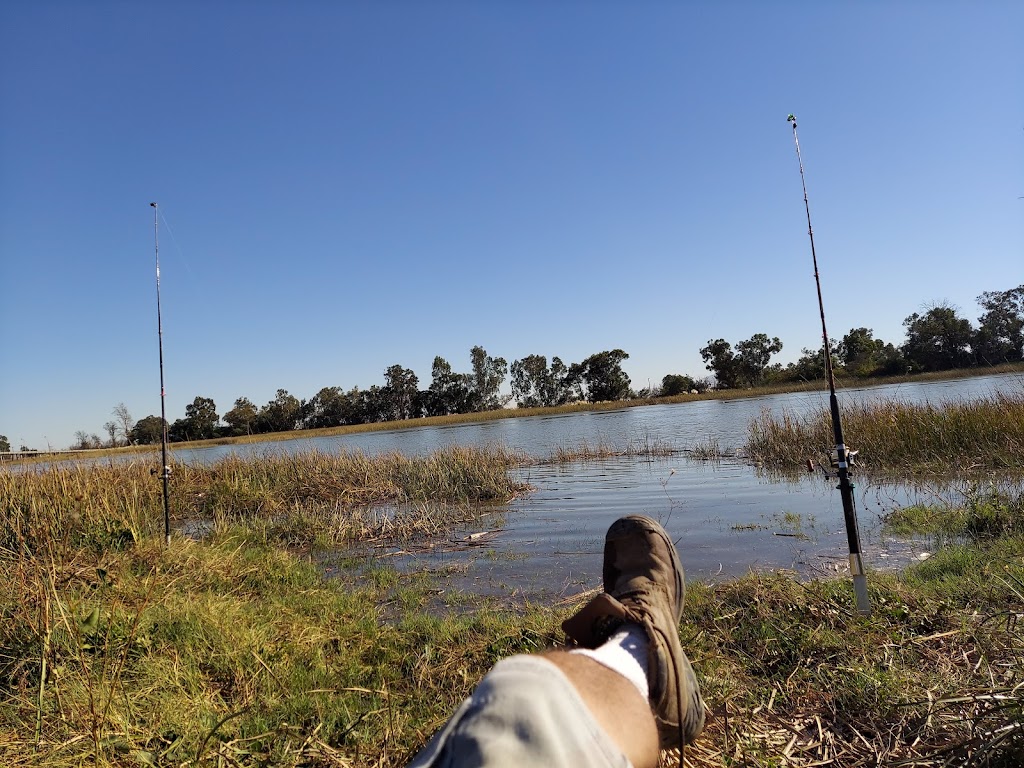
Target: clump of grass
{"points": [[957, 436], [585, 451], [709, 450], [983, 514]]}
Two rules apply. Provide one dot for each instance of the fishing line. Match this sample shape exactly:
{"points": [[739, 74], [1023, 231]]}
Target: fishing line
{"points": [[177, 246]]}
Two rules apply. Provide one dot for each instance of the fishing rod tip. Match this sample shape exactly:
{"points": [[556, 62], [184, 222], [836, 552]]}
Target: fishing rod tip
{"points": [[791, 119]]}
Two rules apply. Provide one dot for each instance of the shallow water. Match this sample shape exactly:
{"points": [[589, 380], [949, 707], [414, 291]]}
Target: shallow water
{"points": [[726, 517]]}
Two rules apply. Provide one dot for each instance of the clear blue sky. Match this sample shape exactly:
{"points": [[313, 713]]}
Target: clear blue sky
{"points": [[346, 186]]}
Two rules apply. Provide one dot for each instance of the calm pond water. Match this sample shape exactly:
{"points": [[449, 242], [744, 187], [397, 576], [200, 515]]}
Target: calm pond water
{"points": [[727, 517]]}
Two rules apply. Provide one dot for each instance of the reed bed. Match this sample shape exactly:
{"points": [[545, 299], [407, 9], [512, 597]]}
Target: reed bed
{"points": [[709, 450], [344, 497], [585, 451], [964, 436]]}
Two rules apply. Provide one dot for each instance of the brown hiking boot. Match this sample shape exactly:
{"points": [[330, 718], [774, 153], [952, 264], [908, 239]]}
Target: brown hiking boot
{"points": [[643, 583]]}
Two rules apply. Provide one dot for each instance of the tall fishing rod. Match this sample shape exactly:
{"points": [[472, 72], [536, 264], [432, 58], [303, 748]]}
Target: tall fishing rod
{"points": [[166, 474], [860, 582]]}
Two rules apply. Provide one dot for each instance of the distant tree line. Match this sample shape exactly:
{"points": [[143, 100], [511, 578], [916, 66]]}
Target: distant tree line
{"points": [[937, 338]]}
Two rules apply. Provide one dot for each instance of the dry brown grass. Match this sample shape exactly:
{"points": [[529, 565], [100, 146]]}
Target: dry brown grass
{"points": [[952, 437]]}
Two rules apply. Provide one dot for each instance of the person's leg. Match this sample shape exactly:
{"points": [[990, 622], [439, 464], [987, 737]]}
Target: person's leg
{"points": [[627, 688], [616, 705], [533, 710], [643, 582]]}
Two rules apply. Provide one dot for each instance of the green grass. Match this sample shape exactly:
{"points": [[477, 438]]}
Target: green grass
{"points": [[983, 514], [238, 651], [229, 650], [235, 651]]}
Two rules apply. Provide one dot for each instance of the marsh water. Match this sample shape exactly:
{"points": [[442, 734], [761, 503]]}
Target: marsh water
{"points": [[726, 516]]}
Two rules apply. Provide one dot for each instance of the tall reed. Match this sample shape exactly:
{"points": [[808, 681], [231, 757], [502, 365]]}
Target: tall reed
{"points": [[954, 436]]}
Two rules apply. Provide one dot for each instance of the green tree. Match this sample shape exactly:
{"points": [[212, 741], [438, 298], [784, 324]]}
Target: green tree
{"points": [[535, 385], [938, 340], [202, 416], [280, 414], [856, 350], [242, 418], [200, 422], [1000, 334], [486, 379], [721, 360], [861, 354], [601, 377], [374, 405], [355, 413], [400, 389], [449, 392], [810, 366], [5, 444], [147, 431], [754, 355], [676, 384], [327, 408], [746, 366]]}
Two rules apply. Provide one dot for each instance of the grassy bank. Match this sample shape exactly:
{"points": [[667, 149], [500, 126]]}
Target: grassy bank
{"points": [[985, 434], [237, 651]]}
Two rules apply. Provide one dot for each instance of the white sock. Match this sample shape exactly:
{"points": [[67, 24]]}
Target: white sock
{"points": [[624, 652]]}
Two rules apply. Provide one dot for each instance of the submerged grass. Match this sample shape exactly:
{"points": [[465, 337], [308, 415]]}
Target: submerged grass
{"points": [[584, 451], [952, 437]]}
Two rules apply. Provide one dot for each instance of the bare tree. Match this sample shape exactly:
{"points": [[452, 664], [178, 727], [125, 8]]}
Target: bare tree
{"points": [[111, 429], [125, 422]]}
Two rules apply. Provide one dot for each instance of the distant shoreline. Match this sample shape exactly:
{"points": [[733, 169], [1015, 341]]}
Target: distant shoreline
{"points": [[846, 382]]}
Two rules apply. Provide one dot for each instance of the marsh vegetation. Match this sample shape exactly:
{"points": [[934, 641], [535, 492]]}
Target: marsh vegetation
{"points": [[960, 436], [237, 648]]}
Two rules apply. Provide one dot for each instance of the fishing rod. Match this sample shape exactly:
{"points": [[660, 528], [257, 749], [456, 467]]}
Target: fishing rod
{"points": [[860, 582], [166, 474]]}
